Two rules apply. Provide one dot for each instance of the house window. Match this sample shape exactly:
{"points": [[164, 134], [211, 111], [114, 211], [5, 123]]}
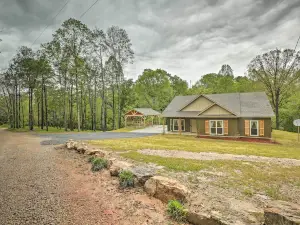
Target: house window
{"points": [[175, 125], [254, 128], [216, 127]]}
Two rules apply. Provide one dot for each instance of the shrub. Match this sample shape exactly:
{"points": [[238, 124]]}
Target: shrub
{"points": [[92, 158], [99, 164], [177, 211], [126, 179]]}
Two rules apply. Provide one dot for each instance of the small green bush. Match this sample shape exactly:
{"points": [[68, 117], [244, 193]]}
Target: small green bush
{"points": [[126, 179], [99, 164], [92, 158], [177, 211]]}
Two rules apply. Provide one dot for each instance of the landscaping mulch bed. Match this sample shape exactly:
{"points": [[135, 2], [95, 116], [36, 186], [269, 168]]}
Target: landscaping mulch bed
{"points": [[257, 140]]}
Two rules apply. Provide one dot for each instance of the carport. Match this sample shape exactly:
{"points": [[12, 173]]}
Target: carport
{"points": [[142, 117]]}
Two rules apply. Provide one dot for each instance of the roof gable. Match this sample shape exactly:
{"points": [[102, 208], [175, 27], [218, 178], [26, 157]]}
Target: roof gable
{"points": [[198, 104], [215, 110]]}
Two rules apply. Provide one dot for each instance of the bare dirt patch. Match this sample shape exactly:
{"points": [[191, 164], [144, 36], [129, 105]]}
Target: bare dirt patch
{"points": [[217, 156]]}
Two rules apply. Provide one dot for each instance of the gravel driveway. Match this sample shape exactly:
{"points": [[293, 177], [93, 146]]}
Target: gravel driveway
{"points": [[29, 182], [54, 139], [41, 185], [156, 129]]}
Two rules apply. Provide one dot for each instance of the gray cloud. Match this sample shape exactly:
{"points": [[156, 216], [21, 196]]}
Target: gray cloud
{"points": [[188, 38]]}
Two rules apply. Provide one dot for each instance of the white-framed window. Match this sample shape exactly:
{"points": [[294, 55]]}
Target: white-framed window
{"points": [[175, 125], [254, 128], [216, 127]]}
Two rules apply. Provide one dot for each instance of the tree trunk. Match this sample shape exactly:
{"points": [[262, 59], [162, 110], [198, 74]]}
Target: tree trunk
{"points": [[71, 108], [95, 103], [38, 113], [65, 103], [113, 109], [42, 105], [277, 110], [77, 102], [46, 107], [19, 107], [30, 109]]}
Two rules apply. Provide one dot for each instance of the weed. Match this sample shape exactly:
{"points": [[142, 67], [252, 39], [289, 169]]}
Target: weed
{"points": [[99, 164], [273, 192], [248, 192], [92, 158], [177, 211], [126, 179]]}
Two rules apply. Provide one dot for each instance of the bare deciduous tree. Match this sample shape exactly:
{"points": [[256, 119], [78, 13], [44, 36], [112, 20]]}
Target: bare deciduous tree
{"points": [[277, 70]]}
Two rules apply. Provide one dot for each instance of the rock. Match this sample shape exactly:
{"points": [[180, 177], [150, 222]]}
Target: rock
{"points": [[80, 147], [117, 166], [58, 147], [70, 144], [96, 152], [142, 173], [203, 219], [282, 213], [166, 189]]}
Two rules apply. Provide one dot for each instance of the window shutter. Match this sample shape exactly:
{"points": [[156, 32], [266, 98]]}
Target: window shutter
{"points": [[225, 122], [206, 127], [261, 128], [247, 127]]}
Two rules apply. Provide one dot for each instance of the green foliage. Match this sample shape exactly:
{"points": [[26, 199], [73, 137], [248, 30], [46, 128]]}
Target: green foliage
{"points": [[126, 179], [92, 158], [177, 211], [278, 70], [213, 83], [290, 111], [98, 164], [153, 89]]}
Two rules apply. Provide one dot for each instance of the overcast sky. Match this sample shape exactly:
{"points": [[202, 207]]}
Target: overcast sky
{"points": [[185, 37]]}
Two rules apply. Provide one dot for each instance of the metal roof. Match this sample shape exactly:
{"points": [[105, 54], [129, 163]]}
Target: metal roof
{"points": [[147, 111]]}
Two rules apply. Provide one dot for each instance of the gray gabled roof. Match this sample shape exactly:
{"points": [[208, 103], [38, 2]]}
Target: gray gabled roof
{"points": [[252, 104], [147, 111]]}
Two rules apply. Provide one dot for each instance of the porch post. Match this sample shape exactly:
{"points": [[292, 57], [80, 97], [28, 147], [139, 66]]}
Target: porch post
{"points": [[179, 126], [163, 119]]}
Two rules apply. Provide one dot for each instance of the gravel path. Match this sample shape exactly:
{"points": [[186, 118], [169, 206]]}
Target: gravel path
{"points": [[217, 156], [41, 185], [28, 182], [54, 139]]}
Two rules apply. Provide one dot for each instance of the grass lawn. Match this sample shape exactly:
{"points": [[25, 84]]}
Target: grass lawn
{"points": [[289, 148], [275, 181]]}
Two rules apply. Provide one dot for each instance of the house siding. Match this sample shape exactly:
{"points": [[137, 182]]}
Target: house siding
{"points": [[268, 126], [236, 126]]}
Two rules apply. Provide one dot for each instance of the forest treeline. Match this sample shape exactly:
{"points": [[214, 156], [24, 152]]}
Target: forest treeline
{"points": [[77, 81]]}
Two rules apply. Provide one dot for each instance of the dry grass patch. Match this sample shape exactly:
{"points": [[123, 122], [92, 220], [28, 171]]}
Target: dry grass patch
{"points": [[246, 177], [289, 148]]}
